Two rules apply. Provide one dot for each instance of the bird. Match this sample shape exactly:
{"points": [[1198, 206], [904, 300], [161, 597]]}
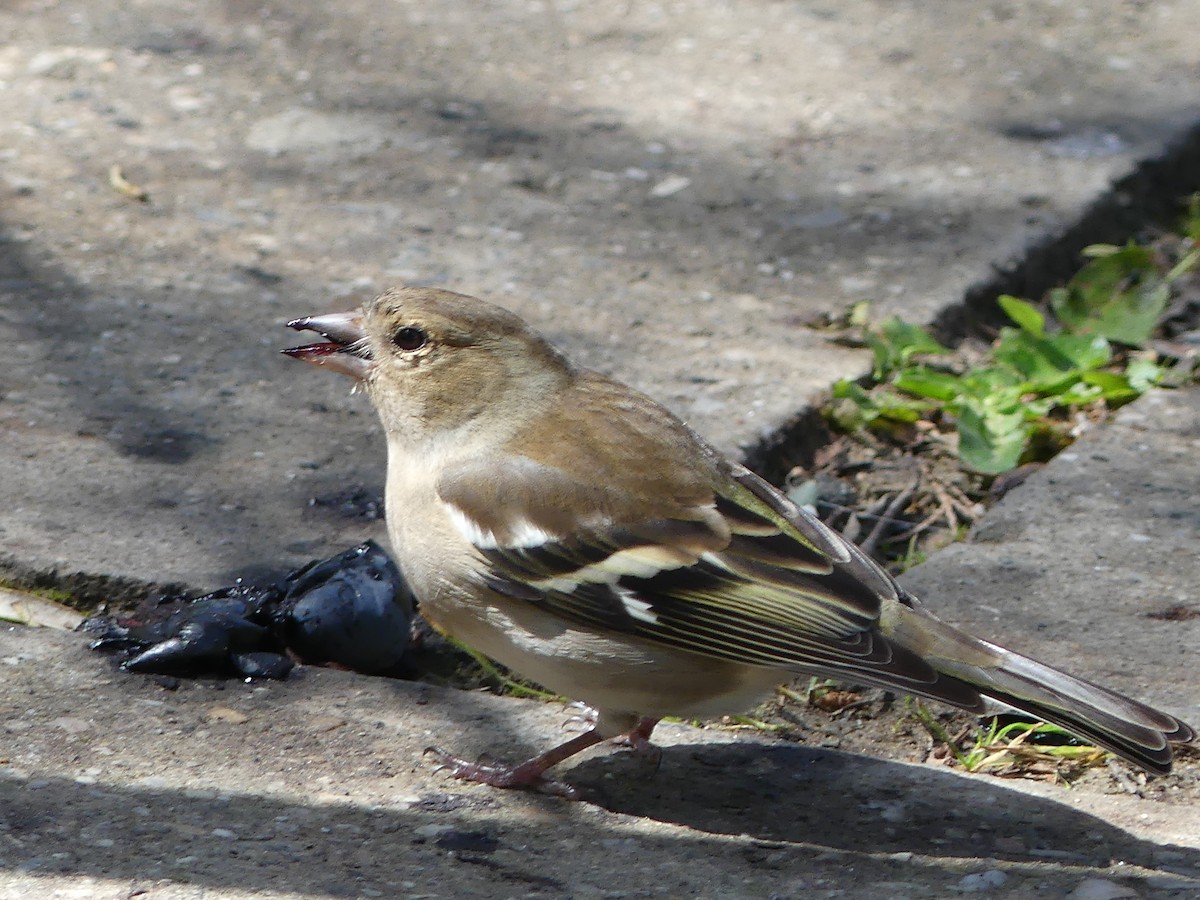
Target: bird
{"points": [[579, 533]]}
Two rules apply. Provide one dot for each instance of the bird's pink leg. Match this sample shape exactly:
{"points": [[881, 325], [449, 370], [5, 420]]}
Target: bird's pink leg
{"points": [[532, 772], [529, 774]]}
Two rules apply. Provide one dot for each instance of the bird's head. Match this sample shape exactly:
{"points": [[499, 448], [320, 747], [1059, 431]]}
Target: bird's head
{"points": [[435, 362]]}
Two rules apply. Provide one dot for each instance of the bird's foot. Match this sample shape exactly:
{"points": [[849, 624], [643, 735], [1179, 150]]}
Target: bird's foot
{"points": [[499, 775], [582, 717], [529, 775]]}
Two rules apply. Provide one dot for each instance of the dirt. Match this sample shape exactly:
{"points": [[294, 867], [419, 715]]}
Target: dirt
{"points": [[885, 726]]}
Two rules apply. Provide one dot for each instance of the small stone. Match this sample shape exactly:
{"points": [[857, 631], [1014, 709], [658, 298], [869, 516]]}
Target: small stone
{"points": [[64, 62], [224, 834], [979, 882], [1100, 889], [263, 244], [670, 186], [308, 131], [72, 726], [185, 101]]}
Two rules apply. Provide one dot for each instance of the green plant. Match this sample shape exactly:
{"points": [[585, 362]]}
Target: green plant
{"points": [[1018, 402], [756, 724], [1008, 748], [815, 689]]}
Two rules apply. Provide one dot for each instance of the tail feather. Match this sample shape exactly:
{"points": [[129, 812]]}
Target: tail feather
{"points": [[1132, 730]]}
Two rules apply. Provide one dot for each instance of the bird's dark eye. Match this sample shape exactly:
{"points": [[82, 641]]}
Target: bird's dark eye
{"points": [[410, 337]]}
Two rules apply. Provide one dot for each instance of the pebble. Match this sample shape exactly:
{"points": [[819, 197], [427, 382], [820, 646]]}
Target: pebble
{"points": [[670, 186], [61, 61], [978, 882], [304, 131], [1100, 889]]}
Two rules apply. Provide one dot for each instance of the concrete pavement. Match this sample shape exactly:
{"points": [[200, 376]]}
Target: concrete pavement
{"points": [[674, 193]]}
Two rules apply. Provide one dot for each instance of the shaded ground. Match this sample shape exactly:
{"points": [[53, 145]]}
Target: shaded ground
{"points": [[316, 787]]}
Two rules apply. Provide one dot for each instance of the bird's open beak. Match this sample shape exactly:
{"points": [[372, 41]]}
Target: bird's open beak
{"points": [[345, 349]]}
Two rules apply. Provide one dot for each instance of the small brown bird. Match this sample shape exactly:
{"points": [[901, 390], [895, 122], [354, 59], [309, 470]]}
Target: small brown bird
{"points": [[582, 535]]}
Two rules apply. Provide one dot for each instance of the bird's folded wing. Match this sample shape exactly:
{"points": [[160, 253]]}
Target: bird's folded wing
{"points": [[745, 577]]}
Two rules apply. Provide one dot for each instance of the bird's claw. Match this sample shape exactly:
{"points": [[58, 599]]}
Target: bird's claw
{"points": [[498, 775]]}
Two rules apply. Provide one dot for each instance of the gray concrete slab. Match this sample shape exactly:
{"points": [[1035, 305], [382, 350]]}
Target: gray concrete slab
{"points": [[671, 191], [111, 787]]}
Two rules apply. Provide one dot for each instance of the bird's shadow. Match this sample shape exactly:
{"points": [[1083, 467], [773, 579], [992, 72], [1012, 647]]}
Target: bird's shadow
{"points": [[825, 798]]}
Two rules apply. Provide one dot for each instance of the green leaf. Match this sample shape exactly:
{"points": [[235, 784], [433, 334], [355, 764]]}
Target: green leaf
{"points": [[991, 442], [1084, 351], [885, 359], [859, 314], [1039, 407], [1025, 314], [896, 343], [844, 388], [846, 417], [852, 408], [1050, 364], [1131, 317], [910, 339], [1035, 359], [924, 382], [1083, 392], [1107, 385], [900, 412], [995, 385], [1119, 295], [899, 408], [1144, 374], [1185, 264]]}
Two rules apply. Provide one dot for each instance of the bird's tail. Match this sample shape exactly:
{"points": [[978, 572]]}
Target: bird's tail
{"points": [[1132, 730]]}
